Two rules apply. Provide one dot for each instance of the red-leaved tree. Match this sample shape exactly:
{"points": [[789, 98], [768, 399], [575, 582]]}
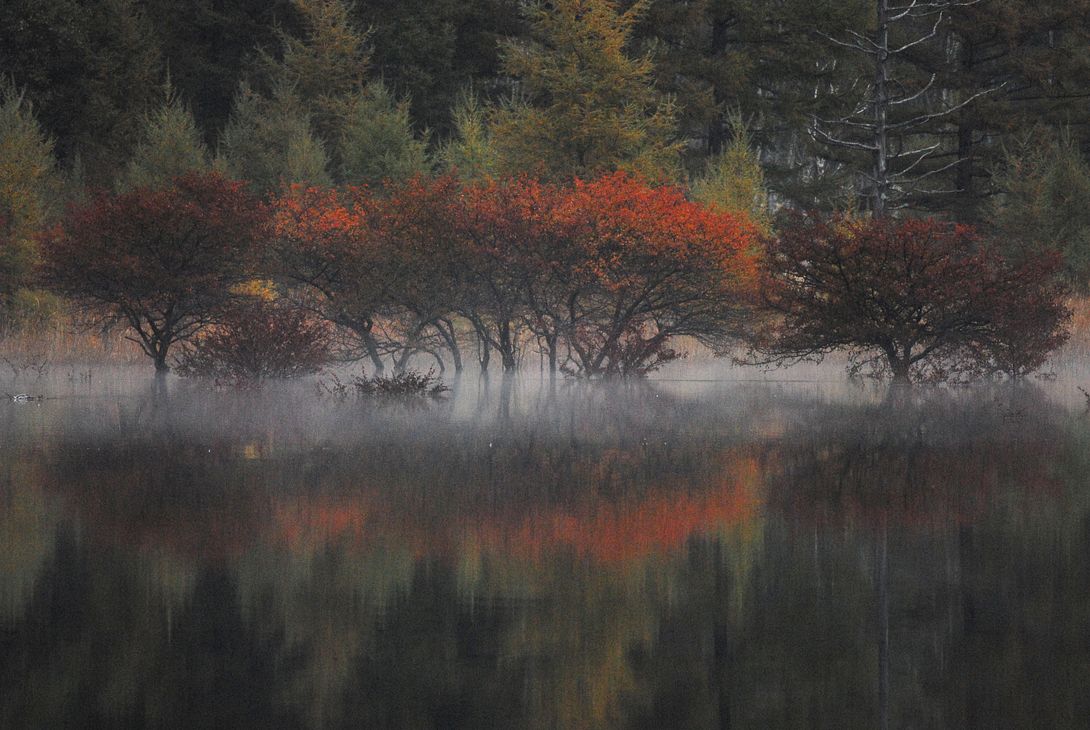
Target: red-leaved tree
{"points": [[921, 299], [163, 261], [651, 266]]}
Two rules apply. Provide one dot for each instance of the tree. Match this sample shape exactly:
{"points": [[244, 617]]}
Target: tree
{"points": [[470, 152], [733, 180], [165, 262], [513, 246], [1039, 51], [269, 143], [257, 340], [377, 143], [91, 69], [1044, 186], [585, 106], [900, 153], [324, 251], [325, 68], [426, 51], [652, 267], [170, 146], [208, 46], [916, 298], [28, 186]]}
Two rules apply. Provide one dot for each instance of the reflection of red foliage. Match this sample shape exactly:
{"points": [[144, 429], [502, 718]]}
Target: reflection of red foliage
{"points": [[601, 531]]}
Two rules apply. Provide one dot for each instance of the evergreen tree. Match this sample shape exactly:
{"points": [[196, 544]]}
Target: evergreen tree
{"points": [[325, 67], [29, 185], [170, 146], [1040, 52], [1045, 184], [268, 142], [733, 180], [91, 70], [428, 50], [470, 151], [377, 141], [209, 45], [585, 105]]}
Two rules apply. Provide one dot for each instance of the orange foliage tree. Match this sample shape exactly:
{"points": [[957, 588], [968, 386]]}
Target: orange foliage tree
{"points": [[603, 274], [652, 266], [324, 251], [166, 261]]}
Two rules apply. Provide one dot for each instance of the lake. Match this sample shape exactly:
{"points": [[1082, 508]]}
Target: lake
{"points": [[528, 554]]}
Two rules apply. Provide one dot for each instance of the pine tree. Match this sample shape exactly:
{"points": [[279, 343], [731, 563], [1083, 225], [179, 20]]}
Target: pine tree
{"points": [[733, 180], [585, 105], [208, 46], [91, 69], [377, 141], [170, 146], [268, 142], [326, 67], [470, 152], [29, 185], [1045, 184]]}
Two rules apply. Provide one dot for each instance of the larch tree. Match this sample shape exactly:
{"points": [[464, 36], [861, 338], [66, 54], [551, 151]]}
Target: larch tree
{"points": [[377, 142], [733, 180], [269, 142], [584, 104], [170, 146], [29, 184], [325, 66], [470, 152]]}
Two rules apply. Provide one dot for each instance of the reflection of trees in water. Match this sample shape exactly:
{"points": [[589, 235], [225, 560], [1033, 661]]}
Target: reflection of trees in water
{"points": [[643, 567], [909, 487]]}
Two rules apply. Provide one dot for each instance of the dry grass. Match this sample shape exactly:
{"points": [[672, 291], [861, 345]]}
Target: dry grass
{"points": [[60, 342]]}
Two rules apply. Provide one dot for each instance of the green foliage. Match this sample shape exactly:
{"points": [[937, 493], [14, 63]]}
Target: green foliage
{"points": [[91, 68], [326, 66], [269, 142], [209, 45], [1045, 181], [733, 180], [586, 106], [170, 146], [428, 50], [470, 152], [29, 185], [377, 141]]}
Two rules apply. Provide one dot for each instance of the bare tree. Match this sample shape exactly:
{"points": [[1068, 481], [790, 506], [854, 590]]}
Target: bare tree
{"points": [[889, 118]]}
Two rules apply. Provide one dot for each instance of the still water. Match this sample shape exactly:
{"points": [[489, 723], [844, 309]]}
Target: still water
{"points": [[529, 555]]}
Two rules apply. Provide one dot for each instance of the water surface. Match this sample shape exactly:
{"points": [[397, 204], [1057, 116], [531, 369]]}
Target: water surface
{"points": [[527, 554]]}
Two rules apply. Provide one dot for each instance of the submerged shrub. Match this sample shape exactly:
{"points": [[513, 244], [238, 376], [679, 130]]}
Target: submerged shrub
{"points": [[405, 384], [257, 341]]}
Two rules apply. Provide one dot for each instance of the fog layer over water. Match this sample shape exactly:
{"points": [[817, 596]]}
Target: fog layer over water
{"points": [[529, 553]]}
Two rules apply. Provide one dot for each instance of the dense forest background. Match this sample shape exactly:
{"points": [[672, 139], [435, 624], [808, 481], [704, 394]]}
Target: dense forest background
{"points": [[974, 112], [94, 70]]}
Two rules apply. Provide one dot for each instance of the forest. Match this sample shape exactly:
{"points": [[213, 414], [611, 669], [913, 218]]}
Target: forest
{"points": [[253, 189]]}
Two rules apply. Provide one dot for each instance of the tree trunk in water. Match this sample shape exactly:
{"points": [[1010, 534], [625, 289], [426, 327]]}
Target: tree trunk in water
{"points": [[371, 346], [507, 347]]}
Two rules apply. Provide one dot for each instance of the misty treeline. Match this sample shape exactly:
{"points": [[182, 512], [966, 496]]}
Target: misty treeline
{"points": [[714, 111]]}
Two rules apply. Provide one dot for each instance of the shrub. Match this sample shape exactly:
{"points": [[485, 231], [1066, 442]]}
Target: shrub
{"points": [[258, 341]]}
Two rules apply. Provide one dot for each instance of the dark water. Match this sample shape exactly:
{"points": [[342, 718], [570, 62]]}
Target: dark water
{"points": [[672, 555]]}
